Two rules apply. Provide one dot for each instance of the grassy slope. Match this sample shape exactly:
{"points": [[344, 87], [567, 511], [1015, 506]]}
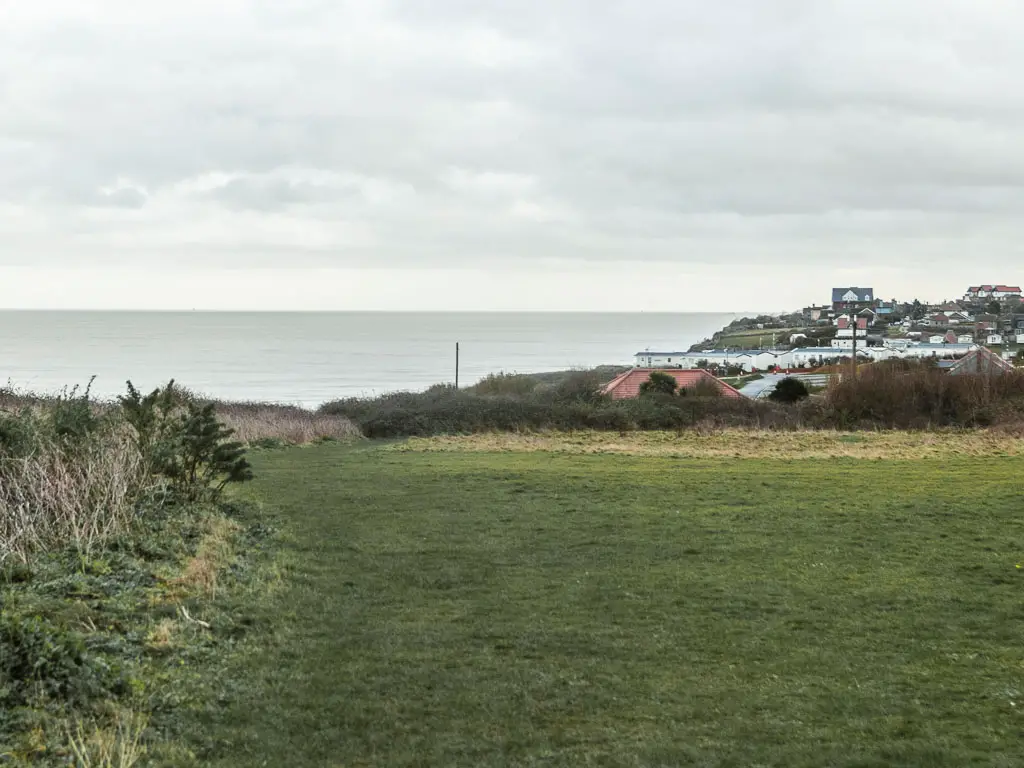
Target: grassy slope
{"points": [[552, 609]]}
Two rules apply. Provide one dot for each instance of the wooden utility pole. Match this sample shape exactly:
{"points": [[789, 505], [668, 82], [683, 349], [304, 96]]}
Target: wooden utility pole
{"points": [[456, 365], [853, 360]]}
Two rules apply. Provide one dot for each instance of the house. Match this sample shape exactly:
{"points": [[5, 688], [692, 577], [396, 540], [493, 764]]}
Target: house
{"points": [[965, 338], [650, 359], [627, 385], [976, 292], [1020, 338], [812, 357], [950, 338], [939, 320], [813, 314], [852, 298], [936, 339], [994, 338], [844, 324], [980, 360], [958, 317]]}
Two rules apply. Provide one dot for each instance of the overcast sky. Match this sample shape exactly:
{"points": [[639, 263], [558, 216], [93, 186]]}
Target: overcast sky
{"points": [[524, 154]]}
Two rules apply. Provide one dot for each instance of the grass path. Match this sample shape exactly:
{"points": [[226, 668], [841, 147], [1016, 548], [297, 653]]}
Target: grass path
{"points": [[478, 609]]}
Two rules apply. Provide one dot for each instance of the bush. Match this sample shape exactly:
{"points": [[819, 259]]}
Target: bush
{"points": [[185, 443], [659, 383], [789, 390], [704, 387], [37, 659], [910, 395], [505, 384]]}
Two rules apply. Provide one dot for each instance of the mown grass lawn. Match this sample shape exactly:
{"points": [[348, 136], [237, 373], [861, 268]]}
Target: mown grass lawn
{"points": [[546, 609]]}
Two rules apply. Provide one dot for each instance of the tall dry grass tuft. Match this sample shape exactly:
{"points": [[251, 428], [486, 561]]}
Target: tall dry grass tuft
{"points": [[254, 422], [118, 746], [62, 495]]}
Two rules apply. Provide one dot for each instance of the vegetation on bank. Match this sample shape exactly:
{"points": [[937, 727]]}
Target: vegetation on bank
{"points": [[121, 561], [551, 609], [886, 395]]}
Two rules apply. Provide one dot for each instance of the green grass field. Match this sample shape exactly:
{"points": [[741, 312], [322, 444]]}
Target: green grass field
{"points": [[552, 609]]}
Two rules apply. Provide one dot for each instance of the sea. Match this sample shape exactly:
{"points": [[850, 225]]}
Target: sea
{"points": [[308, 358]]}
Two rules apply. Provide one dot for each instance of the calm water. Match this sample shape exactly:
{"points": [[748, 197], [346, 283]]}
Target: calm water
{"points": [[308, 358]]}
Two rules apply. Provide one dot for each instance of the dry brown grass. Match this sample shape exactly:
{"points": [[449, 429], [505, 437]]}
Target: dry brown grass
{"points": [[161, 637], [59, 496], [255, 422], [743, 444], [116, 746], [215, 551]]}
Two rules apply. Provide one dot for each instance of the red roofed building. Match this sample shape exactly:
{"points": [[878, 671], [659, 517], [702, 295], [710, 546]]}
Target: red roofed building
{"points": [[627, 385], [992, 292]]}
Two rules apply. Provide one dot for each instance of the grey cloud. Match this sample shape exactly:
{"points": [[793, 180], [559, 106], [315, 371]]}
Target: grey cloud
{"points": [[463, 132]]}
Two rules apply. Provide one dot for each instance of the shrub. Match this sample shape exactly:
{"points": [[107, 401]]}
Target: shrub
{"points": [[184, 442], [659, 383], [38, 659], [505, 384], [789, 390], [907, 395], [705, 387]]}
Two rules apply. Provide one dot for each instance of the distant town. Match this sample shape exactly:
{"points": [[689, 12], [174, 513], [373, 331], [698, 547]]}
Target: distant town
{"points": [[989, 317]]}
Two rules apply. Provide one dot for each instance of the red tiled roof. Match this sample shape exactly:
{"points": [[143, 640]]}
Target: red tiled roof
{"points": [[628, 384], [1007, 288]]}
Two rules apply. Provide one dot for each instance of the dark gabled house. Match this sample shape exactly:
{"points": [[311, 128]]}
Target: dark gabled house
{"points": [[852, 298]]}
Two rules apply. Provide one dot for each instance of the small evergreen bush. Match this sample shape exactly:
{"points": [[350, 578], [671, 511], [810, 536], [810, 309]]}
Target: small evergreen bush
{"points": [[659, 383], [789, 390]]}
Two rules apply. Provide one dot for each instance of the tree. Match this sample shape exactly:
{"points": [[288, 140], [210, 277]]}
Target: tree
{"points": [[659, 384], [917, 310], [789, 390], [994, 308]]}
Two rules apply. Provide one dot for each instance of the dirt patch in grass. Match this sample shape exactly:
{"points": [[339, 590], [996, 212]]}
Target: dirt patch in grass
{"points": [[739, 444]]}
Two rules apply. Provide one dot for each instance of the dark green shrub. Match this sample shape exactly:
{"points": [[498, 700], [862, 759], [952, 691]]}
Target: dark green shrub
{"points": [[505, 384], [72, 414], [659, 383], [578, 387], [789, 390], [183, 441], [36, 658], [19, 434]]}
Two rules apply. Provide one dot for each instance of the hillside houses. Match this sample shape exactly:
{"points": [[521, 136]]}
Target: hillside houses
{"points": [[940, 346], [982, 292]]}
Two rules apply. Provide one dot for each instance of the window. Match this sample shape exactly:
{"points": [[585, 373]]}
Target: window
{"points": [[670, 359]]}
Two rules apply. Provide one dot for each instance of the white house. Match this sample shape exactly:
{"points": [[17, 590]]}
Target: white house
{"points": [[965, 338], [648, 359], [690, 360], [936, 350], [994, 338], [814, 356], [936, 339], [992, 291], [1020, 338]]}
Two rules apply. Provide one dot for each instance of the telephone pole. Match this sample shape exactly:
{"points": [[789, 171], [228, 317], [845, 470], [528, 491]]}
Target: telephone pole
{"points": [[853, 362]]}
